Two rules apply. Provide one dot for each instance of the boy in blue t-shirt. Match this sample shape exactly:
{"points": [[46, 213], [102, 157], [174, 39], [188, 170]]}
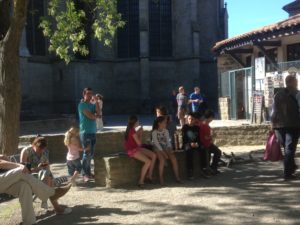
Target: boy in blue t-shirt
{"points": [[196, 99]]}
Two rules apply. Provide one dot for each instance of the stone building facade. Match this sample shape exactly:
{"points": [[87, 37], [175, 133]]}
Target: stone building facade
{"points": [[242, 73], [165, 44]]}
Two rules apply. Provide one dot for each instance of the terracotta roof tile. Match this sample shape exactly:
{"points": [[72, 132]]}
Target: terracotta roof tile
{"points": [[239, 39]]}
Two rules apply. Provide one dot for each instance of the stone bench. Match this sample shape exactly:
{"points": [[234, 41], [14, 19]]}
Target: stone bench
{"points": [[111, 142], [120, 170]]}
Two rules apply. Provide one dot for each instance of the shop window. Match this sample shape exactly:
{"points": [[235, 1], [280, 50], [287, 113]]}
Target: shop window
{"points": [[293, 52], [128, 36], [160, 28]]}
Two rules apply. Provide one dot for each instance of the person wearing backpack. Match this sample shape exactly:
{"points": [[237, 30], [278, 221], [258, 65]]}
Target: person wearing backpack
{"points": [[285, 120]]}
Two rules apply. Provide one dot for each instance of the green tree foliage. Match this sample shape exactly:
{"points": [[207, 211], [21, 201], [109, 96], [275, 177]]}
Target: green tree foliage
{"points": [[65, 28]]}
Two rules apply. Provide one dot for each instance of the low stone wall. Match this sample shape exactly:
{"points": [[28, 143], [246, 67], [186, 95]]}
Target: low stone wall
{"points": [[46, 126], [241, 135], [112, 142], [120, 171]]}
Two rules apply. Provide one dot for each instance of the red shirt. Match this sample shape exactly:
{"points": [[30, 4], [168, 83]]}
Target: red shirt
{"points": [[205, 131], [130, 143]]}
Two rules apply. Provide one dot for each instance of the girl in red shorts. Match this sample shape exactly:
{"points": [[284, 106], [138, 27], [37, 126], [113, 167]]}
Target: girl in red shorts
{"points": [[132, 144]]}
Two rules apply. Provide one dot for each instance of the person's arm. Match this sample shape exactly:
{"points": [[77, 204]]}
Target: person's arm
{"points": [[298, 100], [24, 156], [169, 144], [197, 129], [98, 109], [6, 165], [185, 140], [89, 114], [155, 141], [86, 111], [206, 133], [137, 140], [24, 159]]}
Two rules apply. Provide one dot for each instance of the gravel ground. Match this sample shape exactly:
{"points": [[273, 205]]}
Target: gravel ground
{"points": [[247, 193]]}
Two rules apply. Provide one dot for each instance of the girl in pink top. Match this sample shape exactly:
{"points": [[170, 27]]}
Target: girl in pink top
{"points": [[132, 144], [72, 142]]}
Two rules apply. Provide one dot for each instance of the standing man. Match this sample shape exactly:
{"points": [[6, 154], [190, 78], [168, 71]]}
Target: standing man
{"points": [[88, 113], [182, 104], [286, 122], [196, 100]]}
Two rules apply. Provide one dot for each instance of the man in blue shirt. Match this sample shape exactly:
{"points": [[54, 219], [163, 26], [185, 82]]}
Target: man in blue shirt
{"points": [[196, 99], [88, 113]]}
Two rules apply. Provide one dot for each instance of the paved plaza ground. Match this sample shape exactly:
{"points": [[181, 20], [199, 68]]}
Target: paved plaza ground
{"points": [[245, 194]]}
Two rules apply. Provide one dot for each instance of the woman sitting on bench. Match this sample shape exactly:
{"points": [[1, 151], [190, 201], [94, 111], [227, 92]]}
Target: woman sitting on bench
{"points": [[36, 157], [15, 180]]}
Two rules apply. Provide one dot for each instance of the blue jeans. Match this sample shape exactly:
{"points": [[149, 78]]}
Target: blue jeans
{"points": [[74, 165], [288, 137], [87, 140]]}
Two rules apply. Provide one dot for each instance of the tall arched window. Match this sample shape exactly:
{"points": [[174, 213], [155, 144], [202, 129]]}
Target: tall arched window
{"points": [[160, 28], [35, 39], [129, 36]]}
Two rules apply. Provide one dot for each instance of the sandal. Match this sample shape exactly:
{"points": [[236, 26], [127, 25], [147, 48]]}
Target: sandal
{"points": [[141, 186], [149, 181], [178, 181]]}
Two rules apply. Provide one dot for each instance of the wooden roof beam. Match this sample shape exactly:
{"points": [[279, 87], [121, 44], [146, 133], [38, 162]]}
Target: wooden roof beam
{"points": [[240, 51], [237, 59], [264, 51], [268, 43]]}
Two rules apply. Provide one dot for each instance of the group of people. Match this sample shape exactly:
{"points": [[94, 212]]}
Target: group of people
{"points": [[184, 104], [196, 139], [32, 176]]}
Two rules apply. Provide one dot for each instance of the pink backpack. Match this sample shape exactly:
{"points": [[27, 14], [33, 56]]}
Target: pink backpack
{"points": [[273, 151]]}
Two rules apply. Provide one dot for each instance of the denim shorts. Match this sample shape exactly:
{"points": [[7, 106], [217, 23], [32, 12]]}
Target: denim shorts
{"points": [[74, 165]]}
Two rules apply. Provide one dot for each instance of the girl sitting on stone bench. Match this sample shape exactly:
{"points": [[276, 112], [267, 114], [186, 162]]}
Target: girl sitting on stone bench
{"points": [[163, 147], [132, 144]]}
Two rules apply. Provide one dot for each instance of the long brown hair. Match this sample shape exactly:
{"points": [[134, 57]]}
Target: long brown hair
{"points": [[157, 121], [131, 122]]}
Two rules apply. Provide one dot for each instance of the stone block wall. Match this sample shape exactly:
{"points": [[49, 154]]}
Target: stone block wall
{"points": [[122, 171], [112, 142], [224, 108], [241, 135]]}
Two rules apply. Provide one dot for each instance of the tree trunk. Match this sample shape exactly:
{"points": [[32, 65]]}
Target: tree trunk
{"points": [[10, 87]]}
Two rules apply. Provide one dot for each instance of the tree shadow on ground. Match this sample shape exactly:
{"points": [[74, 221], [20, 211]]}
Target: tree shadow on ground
{"points": [[252, 193], [82, 214]]}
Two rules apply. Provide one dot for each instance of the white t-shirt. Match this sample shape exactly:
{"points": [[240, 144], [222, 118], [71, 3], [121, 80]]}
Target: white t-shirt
{"points": [[73, 149], [161, 139]]}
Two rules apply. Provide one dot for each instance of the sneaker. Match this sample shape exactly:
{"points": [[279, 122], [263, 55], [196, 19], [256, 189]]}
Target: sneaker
{"points": [[44, 205], [66, 211], [289, 177], [60, 191]]}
